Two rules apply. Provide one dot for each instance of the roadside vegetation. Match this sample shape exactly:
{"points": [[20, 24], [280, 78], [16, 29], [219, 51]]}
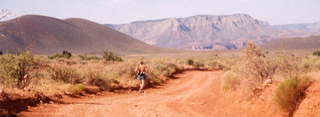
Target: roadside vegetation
{"points": [[63, 73], [255, 69], [291, 92]]}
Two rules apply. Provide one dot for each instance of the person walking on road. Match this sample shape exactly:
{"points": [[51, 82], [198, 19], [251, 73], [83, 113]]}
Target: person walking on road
{"points": [[141, 70]]}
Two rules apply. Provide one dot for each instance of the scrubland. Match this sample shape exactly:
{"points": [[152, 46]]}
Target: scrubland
{"points": [[248, 71], [64, 73], [256, 69]]}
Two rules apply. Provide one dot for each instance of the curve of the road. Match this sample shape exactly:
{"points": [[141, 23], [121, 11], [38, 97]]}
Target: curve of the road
{"points": [[192, 94]]}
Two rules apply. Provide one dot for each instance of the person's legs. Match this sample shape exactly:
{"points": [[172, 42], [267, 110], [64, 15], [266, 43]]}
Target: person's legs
{"points": [[141, 85]]}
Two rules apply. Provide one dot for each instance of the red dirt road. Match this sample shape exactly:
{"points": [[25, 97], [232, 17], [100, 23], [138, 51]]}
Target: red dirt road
{"points": [[186, 96], [192, 94]]}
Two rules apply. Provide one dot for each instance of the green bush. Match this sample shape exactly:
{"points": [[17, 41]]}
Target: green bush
{"points": [[64, 54], [190, 62], [110, 56], [291, 92], [195, 64], [17, 68], [316, 53], [64, 74]]}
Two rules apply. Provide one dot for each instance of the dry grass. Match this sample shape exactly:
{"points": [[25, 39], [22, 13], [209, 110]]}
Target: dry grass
{"points": [[230, 81], [15, 70], [291, 92], [244, 71], [252, 69], [60, 75], [77, 88]]}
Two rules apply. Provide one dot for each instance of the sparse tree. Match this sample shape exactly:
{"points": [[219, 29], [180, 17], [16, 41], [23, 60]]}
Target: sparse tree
{"points": [[257, 65]]}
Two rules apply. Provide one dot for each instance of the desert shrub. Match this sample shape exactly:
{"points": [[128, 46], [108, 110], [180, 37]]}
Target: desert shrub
{"points": [[230, 81], [64, 54], [311, 63], [316, 53], [17, 68], [1, 53], [110, 56], [288, 66], [95, 78], [86, 57], [195, 64], [215, 65], [55, 56], [161, 71], [257, 66], [77, 88], [101, 83], [64, 73], [190, 62], [121, 75], [198, 65], [164, 69], [291, 92]]}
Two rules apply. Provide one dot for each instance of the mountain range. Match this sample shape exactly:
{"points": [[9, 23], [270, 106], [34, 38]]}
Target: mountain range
{"points": [[47, 35], [212, 32]]}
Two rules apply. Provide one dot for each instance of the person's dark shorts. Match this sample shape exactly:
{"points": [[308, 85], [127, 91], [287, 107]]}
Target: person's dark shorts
{"points": [[141, 76]]}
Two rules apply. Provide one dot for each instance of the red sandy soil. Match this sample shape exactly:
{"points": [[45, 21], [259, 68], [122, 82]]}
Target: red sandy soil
{"points": [[310, 106], [192, 94]]}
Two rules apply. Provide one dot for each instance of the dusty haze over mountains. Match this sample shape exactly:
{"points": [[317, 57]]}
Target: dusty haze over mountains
{"points": [[218, 32]]}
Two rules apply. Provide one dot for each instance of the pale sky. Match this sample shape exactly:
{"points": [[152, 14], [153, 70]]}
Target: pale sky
{"points": [[125, 11]]}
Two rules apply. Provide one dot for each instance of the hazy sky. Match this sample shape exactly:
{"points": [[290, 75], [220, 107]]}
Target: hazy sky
{"points": [[125, 11]]}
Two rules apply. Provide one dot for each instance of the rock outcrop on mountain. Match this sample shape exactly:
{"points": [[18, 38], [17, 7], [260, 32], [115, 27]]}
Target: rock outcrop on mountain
{"points": [[211, 31]]}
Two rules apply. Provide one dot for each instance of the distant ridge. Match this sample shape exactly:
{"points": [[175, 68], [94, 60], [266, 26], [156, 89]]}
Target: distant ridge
{"points": [[312, 42], [213, 32], [46, 35]]}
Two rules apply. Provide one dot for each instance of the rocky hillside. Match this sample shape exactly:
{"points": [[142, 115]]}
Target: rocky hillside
{"points": [[211, 31], [46, 35]]}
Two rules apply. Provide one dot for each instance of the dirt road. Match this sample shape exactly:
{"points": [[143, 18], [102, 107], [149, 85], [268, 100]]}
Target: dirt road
{"points": [[192, 94]]}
